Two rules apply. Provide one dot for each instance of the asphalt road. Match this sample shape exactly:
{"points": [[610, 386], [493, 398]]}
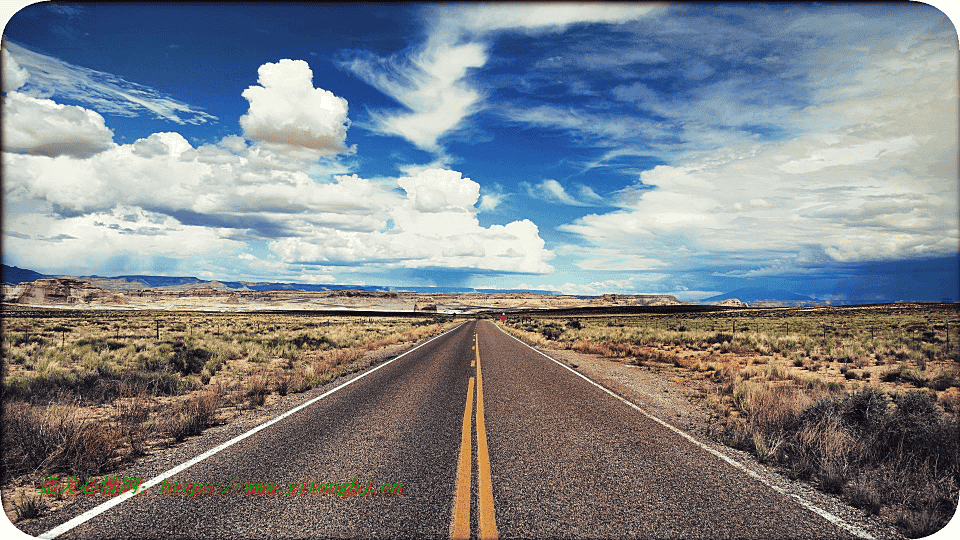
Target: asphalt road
{"points": [[560, 457]]}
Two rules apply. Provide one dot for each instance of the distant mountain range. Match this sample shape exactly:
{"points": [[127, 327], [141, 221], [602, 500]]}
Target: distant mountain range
{"points": [[14, 275], [756, 294]]}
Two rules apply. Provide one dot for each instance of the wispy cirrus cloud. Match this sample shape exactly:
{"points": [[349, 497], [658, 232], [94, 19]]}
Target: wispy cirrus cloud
{"points": [[429, 84], [759, 144], [67, 11], [431, 80], [103, 92], [554, 192], [865, 177], [667, 88], [593, 128]]}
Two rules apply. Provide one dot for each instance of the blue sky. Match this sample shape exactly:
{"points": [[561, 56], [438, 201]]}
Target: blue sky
{"points": [[686, 149]]}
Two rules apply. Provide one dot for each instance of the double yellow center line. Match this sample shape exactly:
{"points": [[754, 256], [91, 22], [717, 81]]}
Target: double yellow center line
{"points": [[460, 523]]}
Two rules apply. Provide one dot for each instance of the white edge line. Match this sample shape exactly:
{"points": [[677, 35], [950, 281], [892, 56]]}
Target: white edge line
{"points": [[96, 511], [806, 504]]}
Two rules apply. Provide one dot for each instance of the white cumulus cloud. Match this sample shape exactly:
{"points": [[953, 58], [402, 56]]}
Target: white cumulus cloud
{"points": [[287, 109], [434, 226], [231, 193], [437, 190], [43, 127], [127, 238], [14, 76]]}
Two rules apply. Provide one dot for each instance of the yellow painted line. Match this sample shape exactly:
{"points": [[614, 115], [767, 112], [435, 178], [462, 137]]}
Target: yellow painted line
{"points": [[488, 519], [473, 363], [460, 524]]}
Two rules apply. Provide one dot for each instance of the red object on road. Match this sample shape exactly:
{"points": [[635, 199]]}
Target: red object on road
{"points": [[503, 318]]}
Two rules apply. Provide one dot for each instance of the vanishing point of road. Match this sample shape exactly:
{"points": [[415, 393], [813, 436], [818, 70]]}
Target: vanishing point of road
{"points": [[488, 438]]}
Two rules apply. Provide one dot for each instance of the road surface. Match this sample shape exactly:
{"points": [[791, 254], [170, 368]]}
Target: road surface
{"points": [[485, 437]]}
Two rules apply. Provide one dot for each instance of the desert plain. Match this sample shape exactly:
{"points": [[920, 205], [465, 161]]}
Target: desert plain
{"points": [[860, 402]]}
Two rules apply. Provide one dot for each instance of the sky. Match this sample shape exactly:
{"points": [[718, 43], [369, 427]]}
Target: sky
{"points": [[684, 149]]}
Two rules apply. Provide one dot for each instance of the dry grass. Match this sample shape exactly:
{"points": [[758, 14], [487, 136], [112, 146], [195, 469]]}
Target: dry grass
{"points": [[190, 417], [53, 438], [132, 413], [862, 402], [257, 389], [898, 453]]}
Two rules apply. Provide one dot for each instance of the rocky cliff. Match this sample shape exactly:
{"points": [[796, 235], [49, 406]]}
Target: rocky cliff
{"points": [[729, 302], [637, 300], [59, 291], [82, 293]]}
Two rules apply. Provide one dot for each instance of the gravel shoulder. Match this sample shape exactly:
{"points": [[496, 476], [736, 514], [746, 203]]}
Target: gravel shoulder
{"points": [[675, 400]]}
